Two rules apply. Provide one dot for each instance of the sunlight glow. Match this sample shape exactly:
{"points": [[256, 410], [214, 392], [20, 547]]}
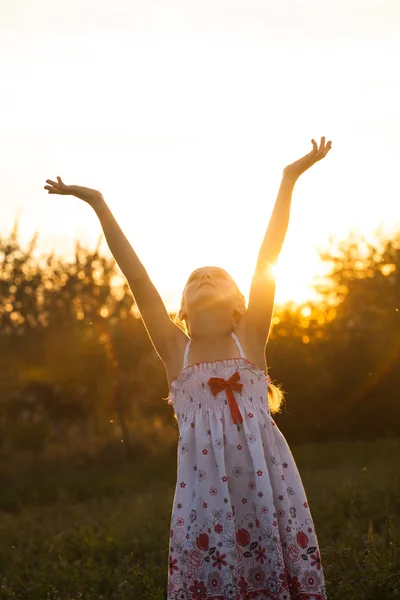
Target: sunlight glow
{"points": [[182, 118]]}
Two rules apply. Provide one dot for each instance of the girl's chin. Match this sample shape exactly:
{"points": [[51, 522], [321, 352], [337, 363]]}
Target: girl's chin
{"points": [[206, 301]]}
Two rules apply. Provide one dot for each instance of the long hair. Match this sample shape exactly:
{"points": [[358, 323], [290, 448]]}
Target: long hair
{"points": [[275, 398]]}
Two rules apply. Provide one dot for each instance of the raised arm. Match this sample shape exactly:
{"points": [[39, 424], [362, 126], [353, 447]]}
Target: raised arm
{"points": [[257, 319], [162, 331]]}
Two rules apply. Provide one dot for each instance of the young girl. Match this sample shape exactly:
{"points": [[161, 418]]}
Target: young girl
{"points": [[241, 527]]}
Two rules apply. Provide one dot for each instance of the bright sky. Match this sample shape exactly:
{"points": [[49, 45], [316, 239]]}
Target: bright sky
{"points": [[184, 113]]}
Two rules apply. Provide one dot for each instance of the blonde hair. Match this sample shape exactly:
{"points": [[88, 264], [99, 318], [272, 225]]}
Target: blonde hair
{"points": [[275, 393], [275, 398]]}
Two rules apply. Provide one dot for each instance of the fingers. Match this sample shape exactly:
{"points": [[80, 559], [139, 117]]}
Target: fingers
{"points": [[323, 148], [320, 149], [58, 183], [54, 187], [327, 147]]}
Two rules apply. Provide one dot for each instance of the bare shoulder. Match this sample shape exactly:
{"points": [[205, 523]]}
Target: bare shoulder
{"points": [[253, 345]]}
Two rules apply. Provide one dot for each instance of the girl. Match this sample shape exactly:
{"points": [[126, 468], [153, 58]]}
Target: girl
{"points": [[241, 527]]}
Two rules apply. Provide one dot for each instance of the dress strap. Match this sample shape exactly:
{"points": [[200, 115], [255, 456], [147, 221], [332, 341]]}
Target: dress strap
{"points": [[186, 356], [238, 344]]}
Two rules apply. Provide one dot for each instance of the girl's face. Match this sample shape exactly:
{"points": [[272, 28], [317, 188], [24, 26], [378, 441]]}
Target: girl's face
{"points": [[208, 287]]}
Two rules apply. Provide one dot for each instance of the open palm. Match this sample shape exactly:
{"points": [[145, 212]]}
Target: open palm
{"points": [[317, 153], [57, 187], [87, 194]]}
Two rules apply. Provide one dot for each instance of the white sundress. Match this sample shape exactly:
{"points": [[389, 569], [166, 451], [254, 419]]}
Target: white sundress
{"points": [[241, 527]]}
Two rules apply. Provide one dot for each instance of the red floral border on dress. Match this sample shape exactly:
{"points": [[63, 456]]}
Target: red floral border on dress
{"points": [[268, 596]]}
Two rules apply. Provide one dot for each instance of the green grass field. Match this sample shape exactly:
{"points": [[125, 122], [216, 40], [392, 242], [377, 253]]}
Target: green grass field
{"points": [[100, 531]]}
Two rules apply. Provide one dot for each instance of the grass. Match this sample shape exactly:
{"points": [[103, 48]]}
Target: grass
{"points": [[98, 531]]}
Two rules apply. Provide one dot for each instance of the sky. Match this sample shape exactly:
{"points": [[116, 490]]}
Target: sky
{"points": [[185, 113]]}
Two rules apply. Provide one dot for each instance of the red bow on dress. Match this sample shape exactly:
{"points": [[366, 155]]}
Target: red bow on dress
{"points": [[217, 384]]}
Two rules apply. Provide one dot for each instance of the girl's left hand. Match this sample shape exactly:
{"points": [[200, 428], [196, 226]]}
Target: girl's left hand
{"points": [[294, 170]]}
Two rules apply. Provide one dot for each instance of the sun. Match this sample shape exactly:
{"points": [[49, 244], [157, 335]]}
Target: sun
{"points": [[294, 274]]}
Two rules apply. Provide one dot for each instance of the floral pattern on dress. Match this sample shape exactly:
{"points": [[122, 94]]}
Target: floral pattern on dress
{"points": [[241, 527]]}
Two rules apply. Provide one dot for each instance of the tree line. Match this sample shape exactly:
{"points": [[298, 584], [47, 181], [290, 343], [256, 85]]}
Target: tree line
{"points": [[77, 364]]}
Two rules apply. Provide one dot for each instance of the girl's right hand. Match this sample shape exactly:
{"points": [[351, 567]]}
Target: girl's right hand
{"points": [[92, 197]]}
